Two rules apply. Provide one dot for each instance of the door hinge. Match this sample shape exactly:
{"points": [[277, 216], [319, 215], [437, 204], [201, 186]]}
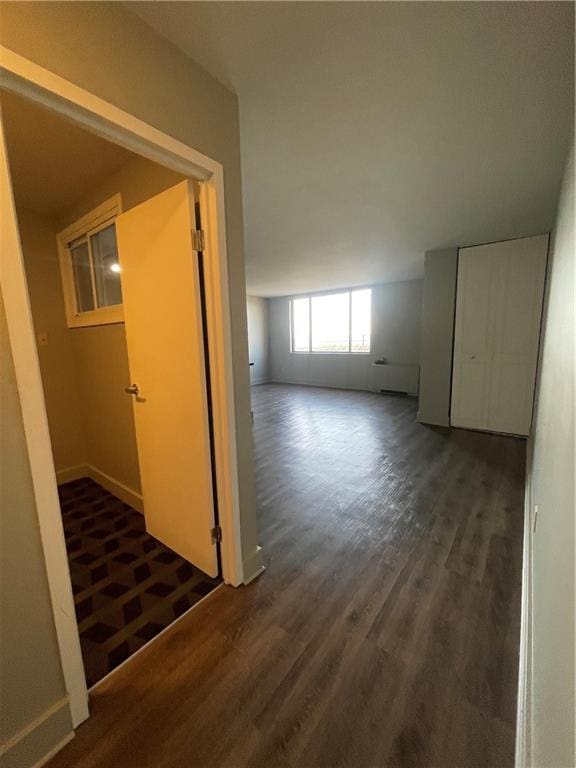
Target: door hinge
{"points": [[198, 242], [216, 534]]}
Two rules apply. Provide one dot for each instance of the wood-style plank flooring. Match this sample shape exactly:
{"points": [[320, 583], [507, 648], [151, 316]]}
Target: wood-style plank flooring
{"points": [[385, 630]]}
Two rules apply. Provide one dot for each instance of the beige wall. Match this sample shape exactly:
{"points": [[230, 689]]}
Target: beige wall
{"points": [[101, 360], [126, 63], [57, 363], [136, 181], [31, 681], [84, 370], [551, 488], [100, 352]]}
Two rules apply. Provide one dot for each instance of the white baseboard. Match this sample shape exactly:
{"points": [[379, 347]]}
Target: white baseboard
{"points": [[71, 473], [524, 704], [41, 739], [254, 565], [317, 385], [115, 487], [434, 422]]}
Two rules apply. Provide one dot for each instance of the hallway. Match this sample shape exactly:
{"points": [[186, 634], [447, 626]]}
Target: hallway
{"points": [[383, 633]]}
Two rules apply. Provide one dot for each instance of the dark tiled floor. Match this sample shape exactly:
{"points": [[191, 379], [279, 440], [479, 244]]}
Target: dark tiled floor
{"points": [[127, 585]]}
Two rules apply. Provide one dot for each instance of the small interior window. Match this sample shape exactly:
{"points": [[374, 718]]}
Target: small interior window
{"points": [[90, 267]]}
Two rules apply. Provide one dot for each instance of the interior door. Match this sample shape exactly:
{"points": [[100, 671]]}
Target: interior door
{"points": [[473, 338], [164, 334]]}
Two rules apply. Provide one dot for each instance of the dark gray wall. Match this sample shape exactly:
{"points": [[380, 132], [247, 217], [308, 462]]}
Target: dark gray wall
{"points": [[437, 336]]}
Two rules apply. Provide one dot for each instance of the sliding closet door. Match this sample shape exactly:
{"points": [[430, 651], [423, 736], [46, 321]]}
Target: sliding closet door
{"points": [[520, 271], [498, 311], [473, 336]]}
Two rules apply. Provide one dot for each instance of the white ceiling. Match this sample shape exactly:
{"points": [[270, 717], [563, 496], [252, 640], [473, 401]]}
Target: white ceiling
{"points": [[53, 162], [372, 132]]}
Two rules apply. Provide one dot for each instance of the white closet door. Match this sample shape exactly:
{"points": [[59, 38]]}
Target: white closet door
{"points": [[521, 271], [473, 338], [498, 311]]}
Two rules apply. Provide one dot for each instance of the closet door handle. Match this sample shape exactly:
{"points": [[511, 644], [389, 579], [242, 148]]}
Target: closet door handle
{"points": [[132, 390]]}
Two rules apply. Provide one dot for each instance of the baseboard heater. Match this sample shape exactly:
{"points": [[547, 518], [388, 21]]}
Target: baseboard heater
{"points": [[391, 378]]}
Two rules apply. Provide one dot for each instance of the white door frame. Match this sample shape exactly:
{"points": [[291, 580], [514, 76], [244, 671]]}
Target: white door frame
{"points": [[22, 76]]}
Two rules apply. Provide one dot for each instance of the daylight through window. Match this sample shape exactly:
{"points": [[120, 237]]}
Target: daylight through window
{"points": [[332, 322]]}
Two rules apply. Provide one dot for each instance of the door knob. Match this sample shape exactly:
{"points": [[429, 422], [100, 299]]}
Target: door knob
{"points": [[132, 390]]}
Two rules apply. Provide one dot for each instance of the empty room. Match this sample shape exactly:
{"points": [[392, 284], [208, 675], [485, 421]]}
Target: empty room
{"points": [[288, 404]]}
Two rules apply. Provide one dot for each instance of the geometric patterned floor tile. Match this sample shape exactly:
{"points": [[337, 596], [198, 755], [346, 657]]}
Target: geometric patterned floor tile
{"points": [[127, 586]]}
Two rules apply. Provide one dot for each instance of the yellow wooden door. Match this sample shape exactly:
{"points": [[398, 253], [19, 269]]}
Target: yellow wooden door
{"points": [[164, 333]]}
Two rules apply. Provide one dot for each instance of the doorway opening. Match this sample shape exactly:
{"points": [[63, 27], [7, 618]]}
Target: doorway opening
{"points": [[105, 235]]}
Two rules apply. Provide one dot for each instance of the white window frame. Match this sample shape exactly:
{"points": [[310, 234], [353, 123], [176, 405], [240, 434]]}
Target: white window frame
{"points": [[89, 224], [311, 296]]}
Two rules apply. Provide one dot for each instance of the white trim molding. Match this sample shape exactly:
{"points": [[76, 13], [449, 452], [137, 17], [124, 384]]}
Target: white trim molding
{"points": [[261, 380], [254, 565], [111, 484], [524, 701]]}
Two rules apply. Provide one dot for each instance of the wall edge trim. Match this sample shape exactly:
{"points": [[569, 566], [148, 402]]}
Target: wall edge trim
{"points": [[421, 418], [253, 566], [523, 748]]}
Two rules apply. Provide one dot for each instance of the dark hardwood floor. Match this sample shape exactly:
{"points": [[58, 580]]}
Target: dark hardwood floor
{"points": [[385, 630]]}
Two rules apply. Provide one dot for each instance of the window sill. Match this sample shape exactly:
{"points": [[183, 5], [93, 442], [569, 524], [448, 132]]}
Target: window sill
{"points": [[103, 316]]}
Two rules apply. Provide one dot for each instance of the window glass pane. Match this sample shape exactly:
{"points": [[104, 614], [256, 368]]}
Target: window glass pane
{"points": [[106, 267], [82, 277], [361, 312], [330, 322], [300, 325]]}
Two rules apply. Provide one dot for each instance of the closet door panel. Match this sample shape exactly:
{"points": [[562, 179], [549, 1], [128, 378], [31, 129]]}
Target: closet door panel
{"points": [[521, 267], [510, 398], [473, 338]]}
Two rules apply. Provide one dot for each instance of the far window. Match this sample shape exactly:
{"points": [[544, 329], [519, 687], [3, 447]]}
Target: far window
{"points": [[91, 269], [331, 322]]}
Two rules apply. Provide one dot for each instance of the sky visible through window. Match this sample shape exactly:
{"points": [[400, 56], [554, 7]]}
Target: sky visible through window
{"points": [[334, 322]]}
